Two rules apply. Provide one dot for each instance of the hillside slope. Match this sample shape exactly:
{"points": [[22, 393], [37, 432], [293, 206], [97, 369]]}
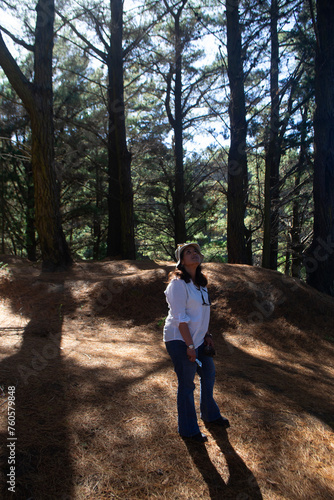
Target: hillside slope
{"points": [[95, 390]]}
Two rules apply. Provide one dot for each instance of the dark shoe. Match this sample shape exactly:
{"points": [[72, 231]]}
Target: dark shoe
{"points": [[198, 438], [221, 422]]}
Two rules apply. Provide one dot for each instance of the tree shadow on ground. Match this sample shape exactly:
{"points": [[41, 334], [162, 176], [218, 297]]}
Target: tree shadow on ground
{"points": [[51, 390], [241, 484], [37, 372], [283, 385]]}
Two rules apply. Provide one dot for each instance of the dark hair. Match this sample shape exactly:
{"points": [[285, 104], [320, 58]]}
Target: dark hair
{"points": [[181, 273]]}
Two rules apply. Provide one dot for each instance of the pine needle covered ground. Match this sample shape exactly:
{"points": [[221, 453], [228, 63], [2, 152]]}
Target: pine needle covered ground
{"points": [[95, 390]]}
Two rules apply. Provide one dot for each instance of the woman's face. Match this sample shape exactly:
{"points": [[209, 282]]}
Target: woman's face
{"points": [[190, 257]]}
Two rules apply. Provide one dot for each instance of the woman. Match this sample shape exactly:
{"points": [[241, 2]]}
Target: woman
{"points": [[186, 337]]}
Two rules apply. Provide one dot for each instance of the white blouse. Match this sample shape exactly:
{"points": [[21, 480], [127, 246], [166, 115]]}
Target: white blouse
{"points": [[185, 303]]}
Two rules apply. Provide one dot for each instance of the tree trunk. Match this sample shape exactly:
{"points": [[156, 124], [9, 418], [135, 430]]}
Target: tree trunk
{"points": [[296, 246], [121, 242], [38, 100], [273, 155], [176, 122], [237, 191], [319, 261], [179, 200]]}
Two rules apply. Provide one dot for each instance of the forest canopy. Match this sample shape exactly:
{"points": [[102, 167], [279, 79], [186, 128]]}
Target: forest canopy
{"points": [[130, 126]]}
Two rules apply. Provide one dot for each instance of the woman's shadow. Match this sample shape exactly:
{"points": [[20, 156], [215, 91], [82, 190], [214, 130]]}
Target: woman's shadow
{"points": [[241, 484]]}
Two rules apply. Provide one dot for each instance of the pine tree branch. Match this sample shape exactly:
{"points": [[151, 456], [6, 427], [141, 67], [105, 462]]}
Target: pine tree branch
{"points": [[20, 83], [23, 44], [88, 44]]}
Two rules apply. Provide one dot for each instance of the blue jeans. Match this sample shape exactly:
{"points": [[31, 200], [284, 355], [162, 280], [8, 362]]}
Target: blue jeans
{"points": [[185, 371]]}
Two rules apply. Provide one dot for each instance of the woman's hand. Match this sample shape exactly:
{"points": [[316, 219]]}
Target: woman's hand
{"points": [[184, 330], [191, 353]]}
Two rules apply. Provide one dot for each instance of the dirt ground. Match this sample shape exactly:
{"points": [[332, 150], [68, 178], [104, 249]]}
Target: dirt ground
{"points": [[93, 391]]}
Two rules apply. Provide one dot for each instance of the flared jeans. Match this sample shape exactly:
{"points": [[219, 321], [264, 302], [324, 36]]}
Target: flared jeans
{"points": [[186, 371]]}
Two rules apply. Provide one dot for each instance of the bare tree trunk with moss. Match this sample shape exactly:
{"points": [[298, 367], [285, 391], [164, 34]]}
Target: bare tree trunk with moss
{"points": [[176, 122], [37, 97], [296, 245], [120, 242], [237, 192], [273, 155]]}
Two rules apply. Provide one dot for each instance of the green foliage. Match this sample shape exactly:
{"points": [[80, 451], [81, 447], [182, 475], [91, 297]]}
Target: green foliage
{"points": [[14, 172]]}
